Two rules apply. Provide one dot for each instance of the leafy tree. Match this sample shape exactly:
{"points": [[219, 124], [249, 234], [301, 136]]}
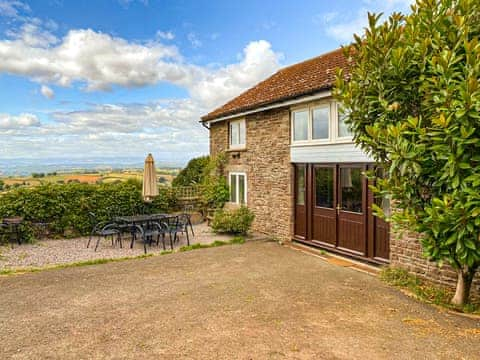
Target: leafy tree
{"points": [[215, 191], [2, 185], [193, 173], [412, 98]]}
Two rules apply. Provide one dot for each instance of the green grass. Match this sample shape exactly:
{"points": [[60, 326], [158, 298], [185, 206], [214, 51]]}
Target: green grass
{"points": [[216, 243], [73, 264], [425, 291], [235, 240]]}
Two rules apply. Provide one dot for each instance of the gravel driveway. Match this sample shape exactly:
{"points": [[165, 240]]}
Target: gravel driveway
{"points": [[259, 300]]}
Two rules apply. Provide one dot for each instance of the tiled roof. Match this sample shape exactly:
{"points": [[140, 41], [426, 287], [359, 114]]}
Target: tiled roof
{"points": [[291, 82]]}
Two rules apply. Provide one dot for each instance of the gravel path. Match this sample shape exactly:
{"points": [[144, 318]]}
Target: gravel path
{"points": [[64, 251]]}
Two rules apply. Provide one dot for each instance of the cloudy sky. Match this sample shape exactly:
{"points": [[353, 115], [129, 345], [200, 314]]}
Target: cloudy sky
{"points": [[106, 78]]}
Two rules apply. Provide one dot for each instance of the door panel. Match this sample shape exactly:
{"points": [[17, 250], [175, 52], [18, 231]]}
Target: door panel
{"points": [[300, 201], [324, 220], [351, 209], [382, 228]]}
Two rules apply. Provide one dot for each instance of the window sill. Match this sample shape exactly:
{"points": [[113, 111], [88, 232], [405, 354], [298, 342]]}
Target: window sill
{"points": [[321, 143], [240, 149]]}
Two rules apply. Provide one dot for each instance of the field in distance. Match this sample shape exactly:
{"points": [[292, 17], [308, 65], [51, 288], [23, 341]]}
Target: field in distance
{"points": [[164, 176]]}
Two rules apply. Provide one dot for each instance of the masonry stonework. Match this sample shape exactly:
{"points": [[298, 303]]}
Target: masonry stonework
{"points": [[406, 253], [266, 162]]}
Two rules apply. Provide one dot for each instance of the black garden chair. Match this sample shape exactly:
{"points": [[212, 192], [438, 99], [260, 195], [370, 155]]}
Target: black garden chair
{"points": [[179, 224], [105, 230], [152, 231]]}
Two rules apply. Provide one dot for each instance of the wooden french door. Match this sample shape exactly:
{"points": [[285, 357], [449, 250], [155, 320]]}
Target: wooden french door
{"points": [[351, 209], [333, 210], [323, 200]]}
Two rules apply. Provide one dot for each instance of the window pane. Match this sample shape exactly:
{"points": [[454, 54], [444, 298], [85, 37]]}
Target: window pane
{"points": [[321, 117], [351, 185], [324, 187], [300, 125], [343, 129], [233, 188], [300, 185], [241, 189], [234, 133], [242, 131]]}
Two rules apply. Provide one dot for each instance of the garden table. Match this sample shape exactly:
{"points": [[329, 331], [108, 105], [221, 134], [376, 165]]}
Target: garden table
{"points": [[137, 222]]}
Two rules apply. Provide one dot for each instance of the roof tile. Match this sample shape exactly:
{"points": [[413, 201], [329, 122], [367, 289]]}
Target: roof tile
{"points": [[291, 82]]}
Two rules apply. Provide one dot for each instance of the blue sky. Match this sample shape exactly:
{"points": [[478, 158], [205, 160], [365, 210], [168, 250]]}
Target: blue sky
{"points": [[110, 78]]}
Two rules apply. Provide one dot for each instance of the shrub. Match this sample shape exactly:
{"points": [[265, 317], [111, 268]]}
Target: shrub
{"points": [[237, 221], [66, 207]]}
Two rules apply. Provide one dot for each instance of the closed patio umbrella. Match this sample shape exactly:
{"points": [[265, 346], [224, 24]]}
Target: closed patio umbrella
{"points": [[150, 188]]}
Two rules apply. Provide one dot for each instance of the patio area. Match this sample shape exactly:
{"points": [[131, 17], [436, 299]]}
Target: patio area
{"points": [[64, 251], [258, 300]]}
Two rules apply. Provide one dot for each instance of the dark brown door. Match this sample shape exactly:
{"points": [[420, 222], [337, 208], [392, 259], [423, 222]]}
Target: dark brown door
{"points": [[382, 228], [324, 217], [300, 201], [351, 208]]}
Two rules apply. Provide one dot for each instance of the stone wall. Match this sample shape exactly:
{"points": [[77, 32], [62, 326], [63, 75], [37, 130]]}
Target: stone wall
{"points": [[266, 162], [406, 253]]}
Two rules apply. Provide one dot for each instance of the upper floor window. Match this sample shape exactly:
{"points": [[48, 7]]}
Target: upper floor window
{"points": [[319, 123], [300, 125], [237, 134], [343, 128]]}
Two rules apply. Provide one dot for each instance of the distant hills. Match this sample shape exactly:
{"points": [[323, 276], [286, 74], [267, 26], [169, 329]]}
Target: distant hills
{"points": [[24, 166]]}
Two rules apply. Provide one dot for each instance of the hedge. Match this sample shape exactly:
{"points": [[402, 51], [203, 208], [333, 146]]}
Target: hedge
{"points": [[66, 206]]}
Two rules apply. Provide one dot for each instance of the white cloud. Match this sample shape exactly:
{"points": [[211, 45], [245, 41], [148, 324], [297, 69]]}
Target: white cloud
{"points": [[12, 8], [216, 87], [126, 3], [166, 35], [12, 122], [343, 27], [32, 35], [47, 92], [194, 40], [100, 60], [168, 127], [96, 61]]}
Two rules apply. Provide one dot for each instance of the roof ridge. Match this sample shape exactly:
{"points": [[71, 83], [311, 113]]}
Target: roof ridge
{"points": [[307, 76], [310, 59]]}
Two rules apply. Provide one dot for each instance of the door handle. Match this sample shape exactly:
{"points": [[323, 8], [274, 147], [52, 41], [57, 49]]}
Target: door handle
{"points": [[339, 207]]}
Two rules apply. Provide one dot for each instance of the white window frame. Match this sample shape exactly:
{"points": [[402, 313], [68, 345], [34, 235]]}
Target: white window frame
{"points": [[340, 139], [333, 127], [237, 146], [237, 188], [309, 125], [329, 137]]}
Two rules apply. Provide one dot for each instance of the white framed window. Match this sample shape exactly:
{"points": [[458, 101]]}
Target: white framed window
{"points": [[343, 129], [237, 134], [301, 127], [319, 124], [237, 182]]}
